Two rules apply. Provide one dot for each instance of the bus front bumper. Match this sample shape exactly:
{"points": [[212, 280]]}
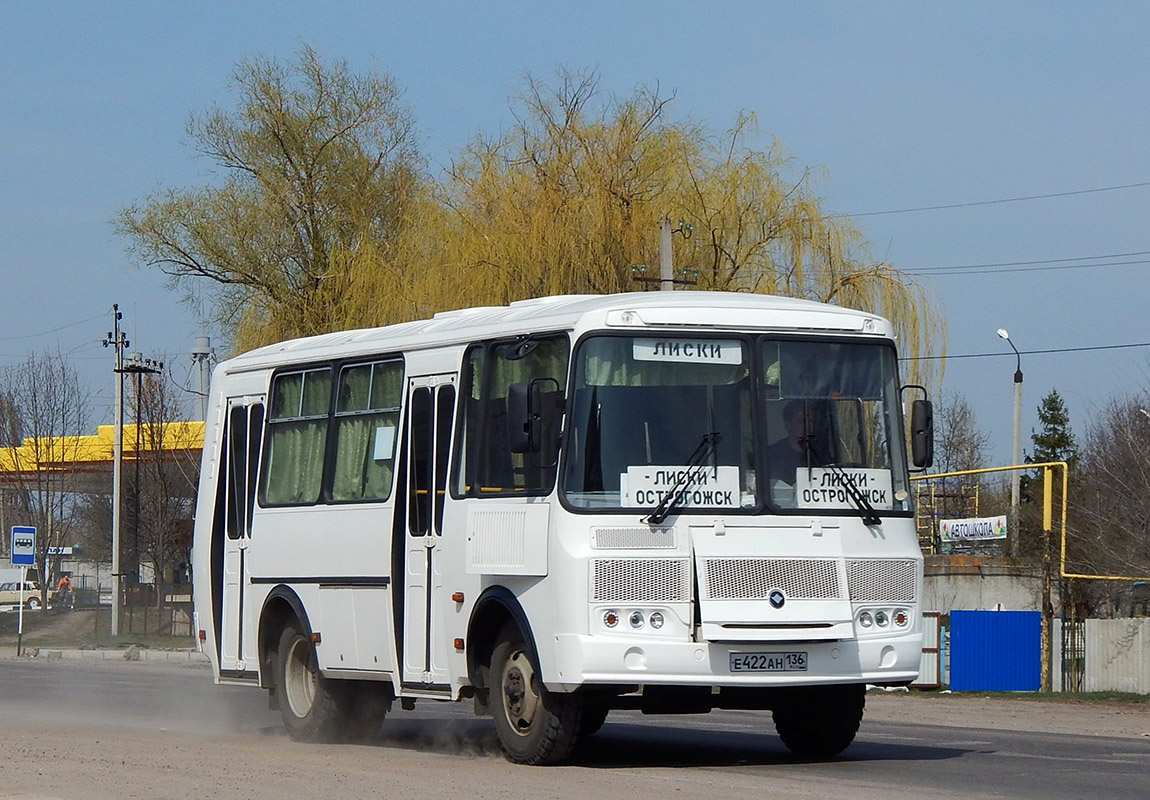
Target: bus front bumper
{"points": [[587, 660]]}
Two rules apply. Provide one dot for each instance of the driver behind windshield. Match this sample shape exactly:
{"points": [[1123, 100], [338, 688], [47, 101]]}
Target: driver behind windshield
{"points": [[798, 449]]}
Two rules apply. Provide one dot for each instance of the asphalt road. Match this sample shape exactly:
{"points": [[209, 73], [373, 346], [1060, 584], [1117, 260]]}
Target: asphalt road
{"points": [[98, 730]]}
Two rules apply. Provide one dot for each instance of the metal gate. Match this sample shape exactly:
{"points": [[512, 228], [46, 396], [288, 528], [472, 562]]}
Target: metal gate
{"points": [[1073, 654], [995, 651]]}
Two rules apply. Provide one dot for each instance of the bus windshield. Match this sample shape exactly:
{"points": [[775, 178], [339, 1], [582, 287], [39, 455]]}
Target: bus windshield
{"points": [[790, 425]]}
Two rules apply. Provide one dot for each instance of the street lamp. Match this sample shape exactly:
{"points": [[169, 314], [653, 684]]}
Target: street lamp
{"points": [[1016, 452]]}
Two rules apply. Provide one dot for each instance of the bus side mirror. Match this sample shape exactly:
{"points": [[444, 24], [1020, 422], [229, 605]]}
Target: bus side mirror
{"points": [[922, 433], [524, 417]]}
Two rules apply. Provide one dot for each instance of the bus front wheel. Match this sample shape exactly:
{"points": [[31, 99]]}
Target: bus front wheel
{"points": [[534, 726], [820, 721], [309, 702]]}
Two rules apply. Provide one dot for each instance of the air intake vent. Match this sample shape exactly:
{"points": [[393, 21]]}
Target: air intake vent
{"points": [[881, 581], [645, 538], [641, 580], [753, 578]]}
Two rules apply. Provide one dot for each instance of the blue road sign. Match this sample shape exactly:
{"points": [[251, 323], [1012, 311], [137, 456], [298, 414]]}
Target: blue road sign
{"points": [[23, 546]]}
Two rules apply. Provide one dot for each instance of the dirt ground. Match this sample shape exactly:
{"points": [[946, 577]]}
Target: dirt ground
{"points": [[1018, 712], [117, 761]]}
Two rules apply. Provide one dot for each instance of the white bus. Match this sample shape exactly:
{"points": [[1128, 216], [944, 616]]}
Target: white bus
{"points": [[666, 501]]}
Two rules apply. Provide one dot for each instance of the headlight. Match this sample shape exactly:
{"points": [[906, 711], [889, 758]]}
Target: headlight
{"points": [[636, 619], [865, 619], [881, 619], [656, 620]]}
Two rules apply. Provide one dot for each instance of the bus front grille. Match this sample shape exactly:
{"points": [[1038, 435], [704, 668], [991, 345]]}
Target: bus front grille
{"points": [[641, 580], [754, 578], [881, 580]]}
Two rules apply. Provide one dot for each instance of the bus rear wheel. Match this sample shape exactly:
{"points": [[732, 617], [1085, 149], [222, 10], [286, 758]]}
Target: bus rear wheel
{"points": [[534, 726], [310, 704], [820, 721]]}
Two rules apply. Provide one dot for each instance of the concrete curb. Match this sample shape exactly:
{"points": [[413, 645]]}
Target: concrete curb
{"points": [[126, 654]]}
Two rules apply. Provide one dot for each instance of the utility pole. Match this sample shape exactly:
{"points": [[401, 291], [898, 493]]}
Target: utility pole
{"points": [[139, 366], [202, 354], [119, 343], [666, 279], [666, 270]]}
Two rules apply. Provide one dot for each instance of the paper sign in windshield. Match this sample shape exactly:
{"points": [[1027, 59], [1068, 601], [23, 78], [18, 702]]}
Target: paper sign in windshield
{"points": [[697, 351], [823, 488], [972, 530], [646, 486]]}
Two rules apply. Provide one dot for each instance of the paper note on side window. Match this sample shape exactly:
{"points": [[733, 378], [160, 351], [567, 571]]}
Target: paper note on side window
{"points": [[384, 442]]}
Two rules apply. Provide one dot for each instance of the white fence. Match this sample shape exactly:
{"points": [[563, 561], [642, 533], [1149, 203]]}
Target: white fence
{"points": [[1115, 655]]}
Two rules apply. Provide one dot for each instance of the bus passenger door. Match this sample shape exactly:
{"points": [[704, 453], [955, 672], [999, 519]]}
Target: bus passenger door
{"points": [[244, 432], [431, 404]]}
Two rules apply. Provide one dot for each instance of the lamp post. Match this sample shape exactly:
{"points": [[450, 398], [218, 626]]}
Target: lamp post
{"points": [[1016, 451]]}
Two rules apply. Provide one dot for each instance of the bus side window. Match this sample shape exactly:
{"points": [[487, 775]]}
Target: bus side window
{"points": [[297, 434], [366, 430], [245, 429]]}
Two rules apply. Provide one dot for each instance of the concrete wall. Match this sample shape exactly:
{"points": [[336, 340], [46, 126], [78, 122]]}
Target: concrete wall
{"points": [[980, 583]]}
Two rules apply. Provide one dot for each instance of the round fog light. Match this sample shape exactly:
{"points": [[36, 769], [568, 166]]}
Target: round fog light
{"points": [[611, 619], [636, 619], [656, 620]]}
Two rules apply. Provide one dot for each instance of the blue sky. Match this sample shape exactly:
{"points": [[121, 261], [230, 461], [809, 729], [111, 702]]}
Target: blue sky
{"points": [[900, 105]]}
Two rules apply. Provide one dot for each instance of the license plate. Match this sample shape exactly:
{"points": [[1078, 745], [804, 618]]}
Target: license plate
{"points": [[769, 662]]}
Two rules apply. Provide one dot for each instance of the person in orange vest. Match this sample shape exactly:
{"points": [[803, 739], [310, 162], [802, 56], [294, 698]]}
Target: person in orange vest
{"points": [[64, 591]]}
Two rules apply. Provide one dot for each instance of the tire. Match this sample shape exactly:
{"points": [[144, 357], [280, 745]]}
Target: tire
{"points": [[366, 705], [32, 604], [820, 721], [595, 711], [534, 726], [313, 708]]}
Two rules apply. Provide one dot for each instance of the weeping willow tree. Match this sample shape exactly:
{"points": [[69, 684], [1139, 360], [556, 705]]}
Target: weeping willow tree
{"points": [[324, 220], [319, 174], [570, 198]]}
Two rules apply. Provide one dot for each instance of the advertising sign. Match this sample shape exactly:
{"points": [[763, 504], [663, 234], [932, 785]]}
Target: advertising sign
{"points": [[972, 530]]}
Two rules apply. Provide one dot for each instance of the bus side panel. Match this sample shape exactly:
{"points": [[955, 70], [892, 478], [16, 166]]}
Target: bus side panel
{"points": [[338, 560]]}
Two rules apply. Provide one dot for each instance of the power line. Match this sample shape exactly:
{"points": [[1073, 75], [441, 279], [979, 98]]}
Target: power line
{"points": [[993, 202], [1029, 352], [54, 330], [1042, 261], [946, 271]]}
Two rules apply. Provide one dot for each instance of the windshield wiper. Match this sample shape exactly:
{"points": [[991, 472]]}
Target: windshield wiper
{"points": [[867, 511], [667, 502]]}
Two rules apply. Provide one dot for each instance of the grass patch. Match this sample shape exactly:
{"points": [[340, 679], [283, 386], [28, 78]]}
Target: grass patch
{"points": [[86, 628]]}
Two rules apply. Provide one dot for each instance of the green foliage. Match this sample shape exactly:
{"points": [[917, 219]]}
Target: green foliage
{"points": [[317, 162], [570, 199], [324, 220], [1055, 440]]}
